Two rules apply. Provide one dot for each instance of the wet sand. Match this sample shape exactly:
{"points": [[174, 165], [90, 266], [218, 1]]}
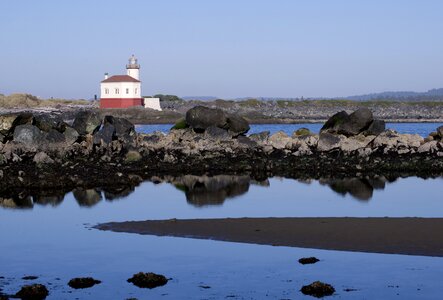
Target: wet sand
{"points": [[411, 236]]}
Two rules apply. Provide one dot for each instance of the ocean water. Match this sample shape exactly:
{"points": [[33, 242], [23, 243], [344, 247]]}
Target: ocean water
{"points": [[422, 129]]}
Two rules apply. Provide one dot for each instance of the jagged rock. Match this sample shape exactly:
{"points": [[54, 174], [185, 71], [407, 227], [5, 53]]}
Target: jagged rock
{"points": [[105, 134], [333, 122], [237, 125], [318, 289], [328, 141], [356, 142], [46, 122], [42, 158], [280, 140], [199, 118], [123, 127], [440, 131], [428, 147], [261, 137], [23, 119], [71, 135], [87, 122], [349, 125], [33, 292], [246, 141], [390, 140], [83, 282], [213, 132], [375, 128], [54, 136], [148, 280], [27, 134]]}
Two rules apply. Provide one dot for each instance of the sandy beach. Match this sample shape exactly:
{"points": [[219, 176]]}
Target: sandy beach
{"points": [[410, 236]]}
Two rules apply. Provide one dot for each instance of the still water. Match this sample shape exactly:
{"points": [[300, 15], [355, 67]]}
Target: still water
{"points": [[51, 237], [422, 129]]}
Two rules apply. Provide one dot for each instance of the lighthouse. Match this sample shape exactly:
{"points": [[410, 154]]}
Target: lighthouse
{"points": [[123, 91]]}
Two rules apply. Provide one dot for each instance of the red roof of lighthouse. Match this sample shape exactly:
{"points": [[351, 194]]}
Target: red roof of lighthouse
{"points": [[121, 78]]}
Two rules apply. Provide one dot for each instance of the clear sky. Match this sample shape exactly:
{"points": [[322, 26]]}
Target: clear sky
{"points": [[229, 48]]}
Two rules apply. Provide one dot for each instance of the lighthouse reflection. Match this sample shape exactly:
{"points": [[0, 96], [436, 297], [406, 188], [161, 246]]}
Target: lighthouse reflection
{"points": [[199, 191]]}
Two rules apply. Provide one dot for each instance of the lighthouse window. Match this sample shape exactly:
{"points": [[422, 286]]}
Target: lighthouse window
{"points": [[127, 91], [136, 91], [106, 91], [116, 91]]}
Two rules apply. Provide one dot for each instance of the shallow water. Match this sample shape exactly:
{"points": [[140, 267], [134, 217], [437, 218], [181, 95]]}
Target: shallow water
{"points": [[55, 241], [422, 129]]}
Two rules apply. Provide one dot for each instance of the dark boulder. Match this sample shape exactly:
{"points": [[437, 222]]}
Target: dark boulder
{"points": [[217, 133], [148, 280], [71, 135], [46, 122], [105, 134], [375, 128], [27, 134], [83, 282], [333, 122], [87, 122], [318, 289], [33, 292], [308, 260], [237, 125], [23, 119], [122, 126], [30, 277], [349, 125], [54, 136], [244, 140], [199, 118]]}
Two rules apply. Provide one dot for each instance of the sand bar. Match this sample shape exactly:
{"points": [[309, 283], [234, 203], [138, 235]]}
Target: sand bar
{"points": [[412, 236]]}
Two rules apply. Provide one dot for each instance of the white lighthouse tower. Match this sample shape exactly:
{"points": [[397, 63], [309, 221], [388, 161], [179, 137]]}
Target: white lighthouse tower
{"points": [[133, 68]]}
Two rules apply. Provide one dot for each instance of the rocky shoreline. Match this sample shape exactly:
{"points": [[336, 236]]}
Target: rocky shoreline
{"points": [[45, 152]]}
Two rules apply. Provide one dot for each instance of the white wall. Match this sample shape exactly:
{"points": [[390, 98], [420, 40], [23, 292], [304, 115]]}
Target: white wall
{"points": [[153, 103], [134, 73], [134, 89]]}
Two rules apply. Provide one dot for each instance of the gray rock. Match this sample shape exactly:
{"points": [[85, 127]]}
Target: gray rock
{"points": [[122, 126], [199, 118], [71, 135], [42, 158], [375, 128], [87, 122], [244, 140], [349, 125], [28, 135], [105, 134], [237, 125], [440, 131], [328, 141], [54, 136], [2, 138], [358, 121], [333, 122], [46, 122], [280, 140], [217, 133]]}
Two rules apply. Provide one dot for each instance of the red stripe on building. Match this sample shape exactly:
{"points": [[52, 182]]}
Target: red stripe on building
{"points": [[120, 102]]}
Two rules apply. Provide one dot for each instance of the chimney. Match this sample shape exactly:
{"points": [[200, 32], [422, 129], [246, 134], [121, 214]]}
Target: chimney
{"points": [[106, 76]]}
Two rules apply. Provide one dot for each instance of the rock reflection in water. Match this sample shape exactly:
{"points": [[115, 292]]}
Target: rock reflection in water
{"points": [[359, 188], [204, 190]]}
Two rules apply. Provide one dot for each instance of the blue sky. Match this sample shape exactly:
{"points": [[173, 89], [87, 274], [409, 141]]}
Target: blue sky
{"points": [[228, 48]]}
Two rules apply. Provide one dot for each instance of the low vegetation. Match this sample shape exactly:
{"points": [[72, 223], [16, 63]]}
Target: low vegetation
{"points": [[31, 101]]}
